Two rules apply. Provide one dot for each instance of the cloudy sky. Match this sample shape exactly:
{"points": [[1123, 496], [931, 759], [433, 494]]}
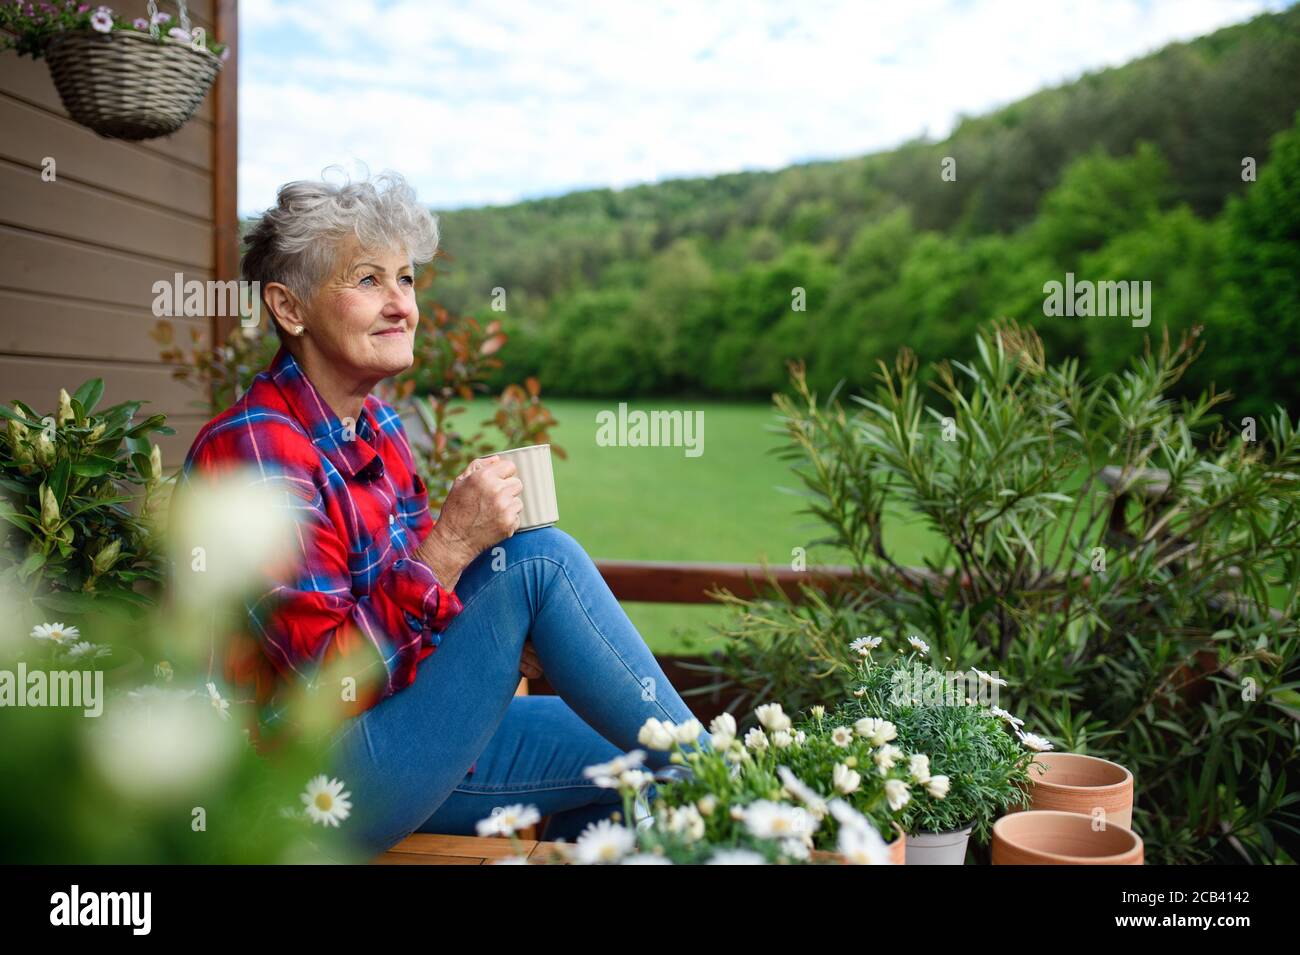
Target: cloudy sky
{"points": [[490, 101]]}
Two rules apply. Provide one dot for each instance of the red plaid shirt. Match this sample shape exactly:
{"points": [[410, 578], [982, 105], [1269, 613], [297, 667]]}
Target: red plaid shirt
{"points": [[357, 591]]}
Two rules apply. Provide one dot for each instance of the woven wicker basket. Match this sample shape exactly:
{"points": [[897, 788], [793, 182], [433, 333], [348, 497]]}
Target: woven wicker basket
{"points": [[126, 85]]}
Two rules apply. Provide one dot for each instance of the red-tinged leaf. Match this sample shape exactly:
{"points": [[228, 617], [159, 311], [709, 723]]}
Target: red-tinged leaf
{"points": [[533, 385], [492, 345]]}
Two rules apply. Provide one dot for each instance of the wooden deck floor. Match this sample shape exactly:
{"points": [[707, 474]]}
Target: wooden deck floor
{"points": [[426, 849]]}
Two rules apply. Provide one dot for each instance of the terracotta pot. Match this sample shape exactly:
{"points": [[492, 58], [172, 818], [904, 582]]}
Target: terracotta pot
{"points": [[897, 850], [1083, 784], [1049, 837], [938, 848]]}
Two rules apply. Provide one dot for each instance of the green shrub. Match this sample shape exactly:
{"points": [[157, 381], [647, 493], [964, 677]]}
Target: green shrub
{"points": [[71, 540], [1126, 559]]}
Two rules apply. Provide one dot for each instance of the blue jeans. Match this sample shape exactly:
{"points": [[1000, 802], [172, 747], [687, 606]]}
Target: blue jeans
{"points": [[405, 760]]}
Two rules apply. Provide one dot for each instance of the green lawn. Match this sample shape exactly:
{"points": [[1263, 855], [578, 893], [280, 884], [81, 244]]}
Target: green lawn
{"points": [[646, 503]]}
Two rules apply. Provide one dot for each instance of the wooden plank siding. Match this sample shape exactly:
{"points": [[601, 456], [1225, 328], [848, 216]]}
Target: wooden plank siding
{"points": [[79, 256]]}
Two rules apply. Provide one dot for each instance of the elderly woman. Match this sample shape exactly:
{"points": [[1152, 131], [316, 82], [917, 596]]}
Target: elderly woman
{"points": [[432, 621]]}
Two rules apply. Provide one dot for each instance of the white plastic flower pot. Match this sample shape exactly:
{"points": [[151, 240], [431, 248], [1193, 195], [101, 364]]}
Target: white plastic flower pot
{"points": [[938, 848]]}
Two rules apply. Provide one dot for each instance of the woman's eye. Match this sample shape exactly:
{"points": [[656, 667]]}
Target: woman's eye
{"points": [[368, 278], [408, 279]]}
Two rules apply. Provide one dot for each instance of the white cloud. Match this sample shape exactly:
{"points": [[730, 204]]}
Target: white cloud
{"points": [[493, 100]]}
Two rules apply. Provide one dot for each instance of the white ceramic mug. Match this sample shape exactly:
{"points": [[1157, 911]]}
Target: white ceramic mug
{"points": [[533, 468]]}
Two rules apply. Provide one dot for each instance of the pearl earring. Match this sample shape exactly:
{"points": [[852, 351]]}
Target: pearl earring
{"points": [[299, 329]]}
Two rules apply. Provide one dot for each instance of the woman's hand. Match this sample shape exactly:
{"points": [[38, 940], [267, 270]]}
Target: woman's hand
{"points": [[529, 665], [482, 508]]}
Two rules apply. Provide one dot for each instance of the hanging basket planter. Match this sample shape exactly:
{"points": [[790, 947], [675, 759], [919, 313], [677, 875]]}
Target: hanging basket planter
{"points": [[127, 85], [123, 78]]}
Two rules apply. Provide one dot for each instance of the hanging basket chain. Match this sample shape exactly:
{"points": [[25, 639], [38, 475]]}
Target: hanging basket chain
{"points": [[155, 30]]}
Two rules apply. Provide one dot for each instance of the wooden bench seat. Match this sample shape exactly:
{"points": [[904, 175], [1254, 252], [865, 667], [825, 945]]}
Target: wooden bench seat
{"points": [[427, 849]]}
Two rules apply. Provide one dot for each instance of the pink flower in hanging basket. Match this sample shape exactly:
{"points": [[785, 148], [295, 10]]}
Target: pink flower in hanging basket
{"points": [[161, 17], [141, 24], [102, 20], [179, 34]]}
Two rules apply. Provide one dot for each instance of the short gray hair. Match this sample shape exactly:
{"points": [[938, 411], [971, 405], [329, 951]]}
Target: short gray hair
{"points": [[294, 242]]}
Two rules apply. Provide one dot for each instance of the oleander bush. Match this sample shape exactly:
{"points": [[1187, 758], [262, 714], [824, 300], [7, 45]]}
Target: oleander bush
{"points": [[1131, 562]]}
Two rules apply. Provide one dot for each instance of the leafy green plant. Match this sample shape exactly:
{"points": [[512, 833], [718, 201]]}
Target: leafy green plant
{"points": [[968, 743], [859, 762], [70, 478], [1127, 559]]}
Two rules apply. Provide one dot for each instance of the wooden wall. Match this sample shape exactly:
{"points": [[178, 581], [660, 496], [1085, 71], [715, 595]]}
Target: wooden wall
{"points": [[79, 255]]}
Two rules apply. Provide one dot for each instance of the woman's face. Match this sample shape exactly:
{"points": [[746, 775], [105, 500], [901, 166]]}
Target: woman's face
{"points": [[362, 320]]}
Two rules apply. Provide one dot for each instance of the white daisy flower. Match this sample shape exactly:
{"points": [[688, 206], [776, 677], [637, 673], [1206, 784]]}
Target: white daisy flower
{"points": [[897, 793], [864, 645], [707, 804], [656, 734], [724, 724], [988, 678], [846, 780], [773, 717], [736, 857], [606, 775], [776, 820], [326, 801], [887, 756], [862, 845], [603, 843], [1032, 741], [685, 821], [722, 742], [918, 766], [1003, 714], [782, 739], [56, 633], [508, 820], [222, 706], [688, 732], [918, 644], [801, 791], [818, 711], [87, 651], [756, 740], [876, 731], [842, 736], [646, 858], [937, 786]]}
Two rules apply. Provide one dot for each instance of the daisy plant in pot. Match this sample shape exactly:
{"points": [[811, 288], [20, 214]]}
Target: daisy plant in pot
{"points": [[979, 750], [737, 806], [825, 791]]}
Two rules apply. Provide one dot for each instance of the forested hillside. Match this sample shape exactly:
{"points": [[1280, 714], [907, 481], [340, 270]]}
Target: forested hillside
{"points": [[1133, 173]]}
